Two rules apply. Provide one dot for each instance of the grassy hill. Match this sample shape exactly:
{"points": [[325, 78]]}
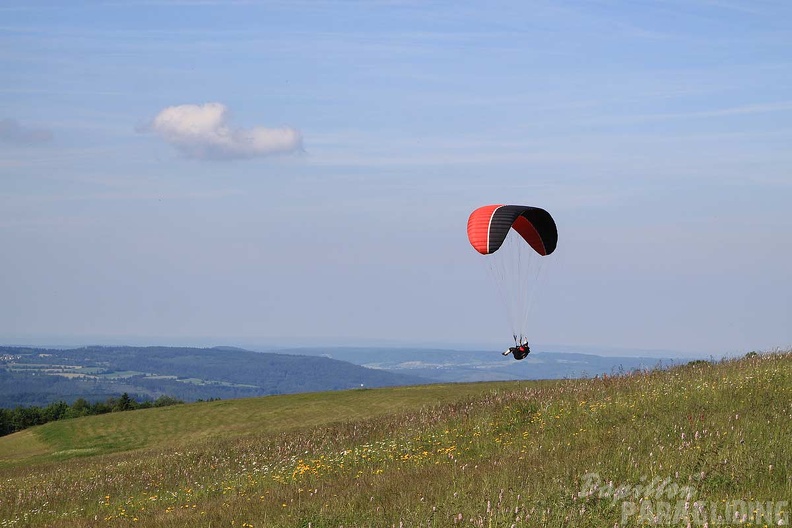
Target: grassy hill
{"points": [[689, 445]]}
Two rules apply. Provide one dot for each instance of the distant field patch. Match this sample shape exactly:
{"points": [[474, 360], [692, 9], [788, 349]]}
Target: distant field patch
{"points": [[122, 374]]}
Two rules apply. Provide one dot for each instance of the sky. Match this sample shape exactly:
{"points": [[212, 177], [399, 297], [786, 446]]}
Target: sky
{"points": [[294, 171]]}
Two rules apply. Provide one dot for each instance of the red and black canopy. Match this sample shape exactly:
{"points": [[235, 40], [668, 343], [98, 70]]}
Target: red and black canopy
{"points": [[489, 225]]}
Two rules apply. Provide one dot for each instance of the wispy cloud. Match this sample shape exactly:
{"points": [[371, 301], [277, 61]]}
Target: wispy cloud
{"points": [[204, 132], [759, 108], [749, 109], [11, 131]]}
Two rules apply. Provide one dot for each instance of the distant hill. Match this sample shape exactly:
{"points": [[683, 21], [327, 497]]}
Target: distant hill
{"points": [[466, 365], [37, 376]]}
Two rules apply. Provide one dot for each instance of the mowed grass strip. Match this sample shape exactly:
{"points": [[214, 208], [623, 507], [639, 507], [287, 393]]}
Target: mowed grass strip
{"points": [[22, 446]]}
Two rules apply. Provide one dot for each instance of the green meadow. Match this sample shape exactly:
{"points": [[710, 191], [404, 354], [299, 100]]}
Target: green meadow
{"points": [[701, 444]]}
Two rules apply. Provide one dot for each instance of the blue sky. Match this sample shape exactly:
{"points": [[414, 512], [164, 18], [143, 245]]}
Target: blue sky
{"points": [[215, 172]]}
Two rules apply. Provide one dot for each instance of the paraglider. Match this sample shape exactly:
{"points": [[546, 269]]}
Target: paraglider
{"points": [[515, 239], [518, 351]]}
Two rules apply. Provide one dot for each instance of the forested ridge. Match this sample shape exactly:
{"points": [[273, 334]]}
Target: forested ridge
{"points": [[40, 376]]}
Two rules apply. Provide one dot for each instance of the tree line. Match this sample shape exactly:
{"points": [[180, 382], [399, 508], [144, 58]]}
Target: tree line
{"points": [[13, 420]]}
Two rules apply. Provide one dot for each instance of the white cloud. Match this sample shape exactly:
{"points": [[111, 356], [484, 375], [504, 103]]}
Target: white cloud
{"points": [[12, 132], [203, 132]]}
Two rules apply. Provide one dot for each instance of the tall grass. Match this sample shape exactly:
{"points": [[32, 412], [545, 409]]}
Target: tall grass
{"points": [[565, 453]]}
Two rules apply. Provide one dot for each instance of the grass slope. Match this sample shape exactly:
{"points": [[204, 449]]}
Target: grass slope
{"points": [[182, 425], [688, 445]]}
